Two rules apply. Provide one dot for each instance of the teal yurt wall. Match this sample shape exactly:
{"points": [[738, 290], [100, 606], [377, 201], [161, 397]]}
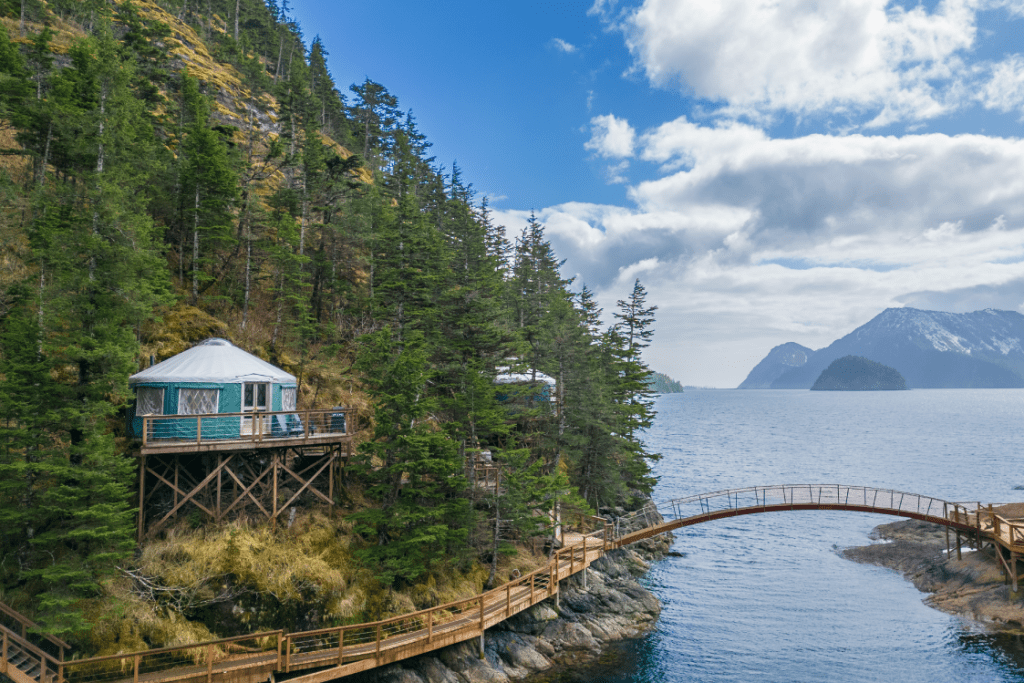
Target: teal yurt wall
{"points": [[212, 377]]}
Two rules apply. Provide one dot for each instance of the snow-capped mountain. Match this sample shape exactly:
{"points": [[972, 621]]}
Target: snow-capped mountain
{"points": [[931, 349], [778, 362]]}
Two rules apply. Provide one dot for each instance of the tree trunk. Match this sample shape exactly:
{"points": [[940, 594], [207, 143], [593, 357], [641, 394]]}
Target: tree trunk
{"points": [[195, 252], [46, 154], [497, 542], [237, 2], [99, 172], [280, 53], [248, 279]]}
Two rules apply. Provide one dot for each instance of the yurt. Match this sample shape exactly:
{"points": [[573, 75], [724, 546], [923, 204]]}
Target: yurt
{"points": [[213, 377]]}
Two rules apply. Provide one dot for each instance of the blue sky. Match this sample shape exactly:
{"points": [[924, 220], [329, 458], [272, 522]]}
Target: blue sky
{"points": [[772, 172]]}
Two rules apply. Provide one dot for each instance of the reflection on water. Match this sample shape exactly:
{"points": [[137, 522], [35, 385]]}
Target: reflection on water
{"points": [[768, 597]]}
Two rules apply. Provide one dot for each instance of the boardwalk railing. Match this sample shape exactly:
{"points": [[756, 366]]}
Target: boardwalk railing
{"points": [[331, 653], [232, 428]]}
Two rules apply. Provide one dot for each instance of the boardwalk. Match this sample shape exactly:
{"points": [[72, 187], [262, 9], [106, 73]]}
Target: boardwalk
{"points": [[332, 653]]}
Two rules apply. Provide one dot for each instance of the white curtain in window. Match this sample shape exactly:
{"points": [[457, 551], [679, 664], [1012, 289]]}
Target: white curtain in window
{"points": [[288, 399], [150, 401], [197, 401]]}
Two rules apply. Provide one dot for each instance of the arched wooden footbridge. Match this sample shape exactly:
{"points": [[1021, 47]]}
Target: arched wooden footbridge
{"points": [[331, 653]]}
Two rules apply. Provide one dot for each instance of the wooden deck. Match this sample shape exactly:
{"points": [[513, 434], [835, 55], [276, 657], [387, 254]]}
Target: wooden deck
{"points": [[328, 654], [232, 432]]}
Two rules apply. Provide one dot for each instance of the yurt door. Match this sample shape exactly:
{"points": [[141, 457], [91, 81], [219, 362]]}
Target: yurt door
{"points": [[255, 399]]}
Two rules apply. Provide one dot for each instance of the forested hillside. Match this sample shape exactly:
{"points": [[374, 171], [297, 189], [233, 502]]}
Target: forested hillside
{"points": [[177, 169]]}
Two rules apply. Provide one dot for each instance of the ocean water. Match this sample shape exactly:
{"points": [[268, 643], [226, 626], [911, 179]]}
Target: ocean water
{"points": [[769, 597]]}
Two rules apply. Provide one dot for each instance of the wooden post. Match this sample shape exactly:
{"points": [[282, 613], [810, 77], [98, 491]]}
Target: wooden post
{"points": [[145, 431], [220, 471], [135, 671], [42, 669], [481, 626], [288, 653], [330, 480], [430, 625], [1013, 569], [3, 655], [377, 653], [274, 467], [142, 500], [199, 429], [341, 646], [176, 485], [508, 599], [209, 663], [959, 557], [279, 643]]}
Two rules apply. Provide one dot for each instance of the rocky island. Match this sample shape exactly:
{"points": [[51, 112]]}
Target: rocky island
{"points": [[854, 373]]}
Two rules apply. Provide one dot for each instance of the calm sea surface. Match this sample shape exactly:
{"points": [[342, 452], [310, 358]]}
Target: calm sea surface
{"points": [[768, 597]]}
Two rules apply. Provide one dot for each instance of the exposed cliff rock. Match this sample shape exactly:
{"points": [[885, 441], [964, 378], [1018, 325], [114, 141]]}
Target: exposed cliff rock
{"points": [[612, 607]]}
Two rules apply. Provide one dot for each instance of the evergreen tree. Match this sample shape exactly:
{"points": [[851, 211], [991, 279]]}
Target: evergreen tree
{"points": [[413, 469], [633, 393]]}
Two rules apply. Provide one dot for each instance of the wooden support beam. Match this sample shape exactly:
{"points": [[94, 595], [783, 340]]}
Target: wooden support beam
{"points": [[142, 497], [247, 491]]}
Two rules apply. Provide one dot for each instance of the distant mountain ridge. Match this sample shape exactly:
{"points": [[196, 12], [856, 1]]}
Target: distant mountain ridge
{"points": [[931, 349], [778, 362]]}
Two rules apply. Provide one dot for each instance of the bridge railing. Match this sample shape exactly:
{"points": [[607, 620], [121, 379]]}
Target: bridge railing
{"points": [[818, 495], [212, 661]]}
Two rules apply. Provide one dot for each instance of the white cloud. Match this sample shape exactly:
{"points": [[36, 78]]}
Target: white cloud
{"points": [[611, 137], [617, 173], [1004, 91], [564, 46], [758, 241], [845, 57]]}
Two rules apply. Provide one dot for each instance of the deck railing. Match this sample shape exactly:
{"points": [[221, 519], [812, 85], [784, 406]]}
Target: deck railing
{"points": [[255, 428]]}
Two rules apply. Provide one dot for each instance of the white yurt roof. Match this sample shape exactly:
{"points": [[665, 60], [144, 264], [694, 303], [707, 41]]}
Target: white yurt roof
{"points": [[505, 376], [214, 360]]}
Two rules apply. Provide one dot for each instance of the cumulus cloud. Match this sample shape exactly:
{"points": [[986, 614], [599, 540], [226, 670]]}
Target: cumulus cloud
{"points": [[564, 46], [749, 241], [843, 57], [1004, 90], [611, 137]]}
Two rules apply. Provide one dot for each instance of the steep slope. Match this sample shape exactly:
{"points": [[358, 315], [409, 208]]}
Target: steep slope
{"points": [[931, 349], [779, 361]]}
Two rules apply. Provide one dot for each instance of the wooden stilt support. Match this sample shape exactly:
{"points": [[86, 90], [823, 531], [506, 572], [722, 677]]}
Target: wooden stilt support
{"points": [[1013, 570], [274, 506], [958, 555], [947, 542], [142, 497], [220, 471], [176, 485]]}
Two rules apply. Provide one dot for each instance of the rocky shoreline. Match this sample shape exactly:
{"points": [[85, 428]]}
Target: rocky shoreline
{"points": [[613, 607], [972, 588]]}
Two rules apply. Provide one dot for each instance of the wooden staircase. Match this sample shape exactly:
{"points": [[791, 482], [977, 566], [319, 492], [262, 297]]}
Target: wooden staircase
{"points": [[25, 661]]}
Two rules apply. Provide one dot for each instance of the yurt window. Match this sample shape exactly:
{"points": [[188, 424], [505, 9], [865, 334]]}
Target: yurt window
{"points": [[197, 401], [150, 401], [288, 398]]}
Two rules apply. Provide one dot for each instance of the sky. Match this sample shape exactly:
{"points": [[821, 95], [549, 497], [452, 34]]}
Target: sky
{"points": [[771, 170]]}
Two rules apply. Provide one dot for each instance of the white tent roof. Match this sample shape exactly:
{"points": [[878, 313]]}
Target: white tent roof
{"points": [[214, 360], [507, 377]]}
